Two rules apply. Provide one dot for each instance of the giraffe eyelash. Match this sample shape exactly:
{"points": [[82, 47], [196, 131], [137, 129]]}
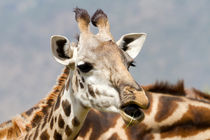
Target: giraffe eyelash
{"points": [[132, 63]]}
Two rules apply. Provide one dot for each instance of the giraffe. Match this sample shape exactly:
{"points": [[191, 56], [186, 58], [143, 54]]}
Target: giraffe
{"points": [[95, 76], [174, 113]]}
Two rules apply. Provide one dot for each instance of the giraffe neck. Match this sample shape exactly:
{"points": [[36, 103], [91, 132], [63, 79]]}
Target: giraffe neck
{"points": [[58, 115], [64, 119], [67, 118], [168, 117]]}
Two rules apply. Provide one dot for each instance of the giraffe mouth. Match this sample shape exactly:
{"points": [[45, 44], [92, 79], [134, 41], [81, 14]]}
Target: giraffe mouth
{"points": [[131, 114]]}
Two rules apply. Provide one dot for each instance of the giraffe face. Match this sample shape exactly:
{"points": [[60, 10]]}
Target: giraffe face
{"points": [[101, 79]]}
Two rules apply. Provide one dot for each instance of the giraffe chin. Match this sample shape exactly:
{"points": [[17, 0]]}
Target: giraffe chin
{"points": [[131, 114]]}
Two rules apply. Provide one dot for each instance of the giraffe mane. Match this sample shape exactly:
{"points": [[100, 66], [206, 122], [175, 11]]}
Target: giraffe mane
{"points": [[167, 88], [203, 94], [44, 105], [198, 95], [178, 89], [30, 118]]}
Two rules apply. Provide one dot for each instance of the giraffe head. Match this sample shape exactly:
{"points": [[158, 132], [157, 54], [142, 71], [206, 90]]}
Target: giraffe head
{"points": [[100, 76]]}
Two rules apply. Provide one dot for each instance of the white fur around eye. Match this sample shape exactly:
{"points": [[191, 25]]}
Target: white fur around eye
{"points": [[80, 63]]}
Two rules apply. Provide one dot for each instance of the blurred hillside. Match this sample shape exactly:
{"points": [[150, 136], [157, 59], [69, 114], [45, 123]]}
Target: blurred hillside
{"points": [[177, 45]]}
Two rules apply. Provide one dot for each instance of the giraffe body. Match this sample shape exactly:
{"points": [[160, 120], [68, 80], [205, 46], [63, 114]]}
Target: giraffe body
{"points": [[170, 116]]}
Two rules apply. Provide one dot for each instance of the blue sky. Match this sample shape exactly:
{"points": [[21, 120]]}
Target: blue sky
{"points": [[177, 45]]}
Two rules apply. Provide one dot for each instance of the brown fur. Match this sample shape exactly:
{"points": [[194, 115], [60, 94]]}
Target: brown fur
{"points": [[148, 110], [66, 107], [177, 89], [103, 121], [114, 137], [97, 16], [82, 14], [165, 87], [197, 94], [68, 131], [133, 134], [193, 121], [165, 111], [44, 135]]}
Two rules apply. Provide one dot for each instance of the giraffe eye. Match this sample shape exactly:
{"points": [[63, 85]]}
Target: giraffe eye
{"points": [[86, 67]]}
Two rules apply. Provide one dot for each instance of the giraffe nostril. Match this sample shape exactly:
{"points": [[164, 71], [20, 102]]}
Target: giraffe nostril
{"points": [[132, 110]]}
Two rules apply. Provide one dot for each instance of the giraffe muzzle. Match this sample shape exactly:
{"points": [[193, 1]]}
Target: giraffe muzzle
{"points": [[132, 103]]}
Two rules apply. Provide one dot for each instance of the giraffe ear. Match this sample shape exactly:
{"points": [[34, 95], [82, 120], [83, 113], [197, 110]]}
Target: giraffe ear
{"points": [[61, 49], [132, 43]]}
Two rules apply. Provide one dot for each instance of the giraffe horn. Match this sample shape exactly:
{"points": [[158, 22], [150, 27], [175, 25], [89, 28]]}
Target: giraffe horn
{"points": [[83, 19], [100, 20]]}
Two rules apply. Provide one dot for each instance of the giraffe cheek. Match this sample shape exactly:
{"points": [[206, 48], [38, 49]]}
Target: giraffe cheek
{"points": [[84, 100]]}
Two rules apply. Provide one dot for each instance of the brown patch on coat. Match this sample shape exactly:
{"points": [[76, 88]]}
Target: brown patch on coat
{"points": [[83, 80], [44, 135], [166, 106], [99, 122], [76, 83], [57, 104], [149, 136], [29, 138], [149, 109], [68, 130], [97, 92], [195, 120], [26, 137], [90, 90], [61, 121], [36, 120], [45, 110], [27, 128], [51, 123], [114, 137], [78, 71], [81, 85], [75, 122], [67, 84], [50, 115], [138, 131], [66, 107], [44, 122], [30, 111], [55, 118], [57, 136], [36, 132]]}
